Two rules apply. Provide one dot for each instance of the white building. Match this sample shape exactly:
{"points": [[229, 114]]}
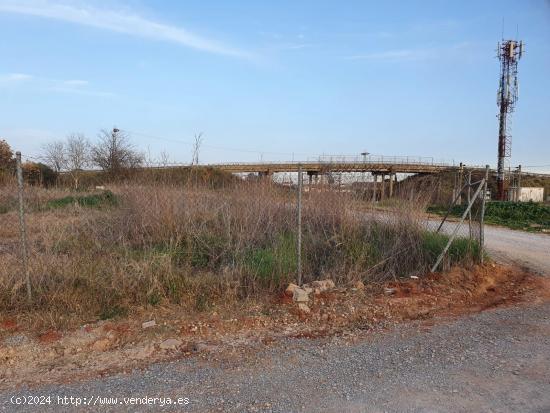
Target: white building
{"points": [[526, 194]]}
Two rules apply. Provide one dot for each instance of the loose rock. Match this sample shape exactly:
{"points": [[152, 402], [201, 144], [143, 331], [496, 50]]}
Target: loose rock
{"points": [[170, 344], [304, 308], [323, 285], [102, 344], [148, 324], [194, 347], [300, 296], [290, 289]]}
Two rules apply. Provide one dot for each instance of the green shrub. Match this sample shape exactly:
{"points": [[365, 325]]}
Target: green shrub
{"points": [[106, 198], [113, 312], [528, 216], [461, 248], [273, 264]]}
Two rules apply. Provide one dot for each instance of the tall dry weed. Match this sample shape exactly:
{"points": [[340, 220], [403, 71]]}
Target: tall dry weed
{"points": [[199, 247]]}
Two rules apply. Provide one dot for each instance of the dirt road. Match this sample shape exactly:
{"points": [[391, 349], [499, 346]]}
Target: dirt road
{"points": [[530, 250], [527, 249], [492, 361]]}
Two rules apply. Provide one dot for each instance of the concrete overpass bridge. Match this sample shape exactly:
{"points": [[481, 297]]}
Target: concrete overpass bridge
{"points": [[382, 165], [385, 167]]}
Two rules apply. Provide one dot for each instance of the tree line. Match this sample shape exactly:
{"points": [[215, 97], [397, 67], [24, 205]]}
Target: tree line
{"points": [[112, 152]]}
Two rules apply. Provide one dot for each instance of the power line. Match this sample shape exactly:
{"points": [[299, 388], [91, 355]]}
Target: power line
{"points": [[224, 148], [36, 158]]}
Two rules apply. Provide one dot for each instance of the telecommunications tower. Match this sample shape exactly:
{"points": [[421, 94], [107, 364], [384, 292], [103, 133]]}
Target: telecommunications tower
{"points": [[509, 53]]}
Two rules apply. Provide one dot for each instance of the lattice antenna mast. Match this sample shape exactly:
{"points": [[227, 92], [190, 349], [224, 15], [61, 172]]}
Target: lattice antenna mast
{"points": [[509, 53]]}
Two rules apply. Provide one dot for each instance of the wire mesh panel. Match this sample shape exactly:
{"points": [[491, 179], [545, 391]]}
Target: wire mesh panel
{"points": [[10, 247], [462, 221], [359, 232], [241, 233]]}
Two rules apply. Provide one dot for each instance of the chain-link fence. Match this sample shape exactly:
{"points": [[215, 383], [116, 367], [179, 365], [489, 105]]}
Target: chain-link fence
{"points": [[243, 234], [462, 219]]}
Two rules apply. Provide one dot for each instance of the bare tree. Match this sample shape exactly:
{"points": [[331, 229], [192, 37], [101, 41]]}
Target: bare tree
{"points": [[114, 152], [196, 149], [164, 159], [77, 155], [54, 155]]}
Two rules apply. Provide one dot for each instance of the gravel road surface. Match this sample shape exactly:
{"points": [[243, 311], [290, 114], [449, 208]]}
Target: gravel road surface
{"points": [[495, 361], [527, 249], [530, 250]]}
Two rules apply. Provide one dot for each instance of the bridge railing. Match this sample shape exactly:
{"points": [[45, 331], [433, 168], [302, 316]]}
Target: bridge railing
{"points": [[351, 160], [416, 160]]}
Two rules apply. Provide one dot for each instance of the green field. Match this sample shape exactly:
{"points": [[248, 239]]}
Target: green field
{"points": [[527, 216]]}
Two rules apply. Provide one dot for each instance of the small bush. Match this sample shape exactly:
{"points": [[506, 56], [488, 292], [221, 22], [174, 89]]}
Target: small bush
{"points": [[460, 250], [113, 312], [273, 264], [106, 198]]}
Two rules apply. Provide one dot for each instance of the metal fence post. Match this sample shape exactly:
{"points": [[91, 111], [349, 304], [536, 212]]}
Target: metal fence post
{"points": [[22, 231], [518, 194], [299, 235], [469, 199], [482, 217]]}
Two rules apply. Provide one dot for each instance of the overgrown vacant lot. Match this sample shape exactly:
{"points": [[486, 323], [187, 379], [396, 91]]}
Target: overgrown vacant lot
{"points": [[105, 254], [140, 273]]}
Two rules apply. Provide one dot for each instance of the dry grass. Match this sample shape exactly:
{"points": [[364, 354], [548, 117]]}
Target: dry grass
{"points": [[195, 247]]}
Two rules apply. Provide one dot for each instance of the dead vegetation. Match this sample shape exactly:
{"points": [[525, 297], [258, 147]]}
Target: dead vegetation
{"points": [[97, 256], [152, 270]]}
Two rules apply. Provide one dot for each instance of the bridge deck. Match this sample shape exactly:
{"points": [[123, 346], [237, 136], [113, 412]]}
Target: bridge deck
{"points": [[321, 167]]}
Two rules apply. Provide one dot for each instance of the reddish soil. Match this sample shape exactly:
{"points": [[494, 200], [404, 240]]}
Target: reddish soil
{"points": [[8, 324], [106, 347], [49, 336]]}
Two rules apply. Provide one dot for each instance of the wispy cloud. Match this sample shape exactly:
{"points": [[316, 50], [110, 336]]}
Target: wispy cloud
{"points": [[75, 82], [118, 21], [293, 46], [14, 78], [278, 41], [411, 54], [62, 87], [401, 54], [74, 86]]}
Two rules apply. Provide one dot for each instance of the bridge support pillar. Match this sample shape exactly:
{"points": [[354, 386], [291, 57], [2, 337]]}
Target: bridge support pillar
{"points": [[383, 187], [392, 176], [374, 181], [312, 177], [265, 174]]}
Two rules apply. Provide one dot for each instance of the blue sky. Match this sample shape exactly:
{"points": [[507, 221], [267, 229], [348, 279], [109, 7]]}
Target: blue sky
{"points": [[265, 80]]}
